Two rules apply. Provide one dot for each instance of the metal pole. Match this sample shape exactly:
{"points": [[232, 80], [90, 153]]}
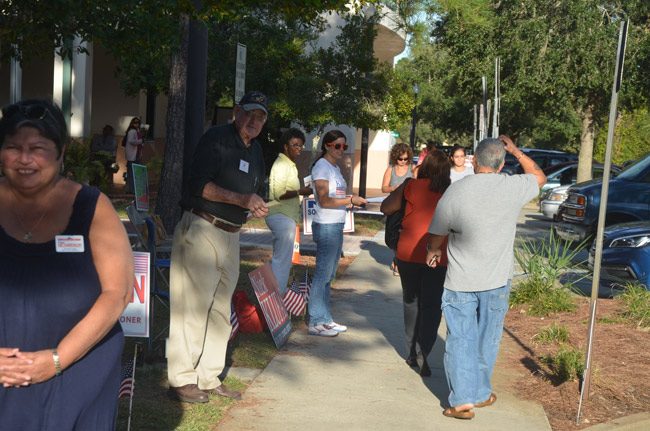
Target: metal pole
{"points": [[484, 108], [414, 115], [15, 79], [481, 123], [497, 97], [618, 76], [66, 93], [475, 126], [363, 162]]}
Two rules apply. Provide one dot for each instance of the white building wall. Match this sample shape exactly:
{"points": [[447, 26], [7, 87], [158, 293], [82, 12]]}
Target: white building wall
{"points": [[389, 42]]}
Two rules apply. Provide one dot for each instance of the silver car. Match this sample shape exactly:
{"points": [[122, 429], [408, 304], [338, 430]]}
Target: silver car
{"points": [[550, 201]]}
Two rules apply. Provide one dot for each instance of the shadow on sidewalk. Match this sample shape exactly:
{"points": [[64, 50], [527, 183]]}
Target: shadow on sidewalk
{"points": [[381, 305]]}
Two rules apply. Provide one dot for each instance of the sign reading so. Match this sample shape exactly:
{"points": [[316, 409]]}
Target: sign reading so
{"points": [[309, 210]]}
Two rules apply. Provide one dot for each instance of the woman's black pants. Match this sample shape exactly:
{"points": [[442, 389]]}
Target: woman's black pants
{"points": [[422, 288]]}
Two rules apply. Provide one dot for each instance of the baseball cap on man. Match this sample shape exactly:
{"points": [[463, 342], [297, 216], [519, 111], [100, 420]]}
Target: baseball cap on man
{"points": [[254, 100]]}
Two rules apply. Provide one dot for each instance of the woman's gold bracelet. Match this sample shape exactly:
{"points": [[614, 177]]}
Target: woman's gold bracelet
{"points": [[57, 362]]}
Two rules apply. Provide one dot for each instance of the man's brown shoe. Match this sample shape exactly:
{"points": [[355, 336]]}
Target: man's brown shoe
{"points": [[189, 394], [223, 391]]}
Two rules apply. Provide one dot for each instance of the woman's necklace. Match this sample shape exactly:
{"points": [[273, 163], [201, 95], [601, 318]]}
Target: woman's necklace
{"points": [[28, 232]]}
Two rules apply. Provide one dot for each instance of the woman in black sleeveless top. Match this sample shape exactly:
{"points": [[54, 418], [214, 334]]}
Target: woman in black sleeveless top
{"points": [[66, 274]]}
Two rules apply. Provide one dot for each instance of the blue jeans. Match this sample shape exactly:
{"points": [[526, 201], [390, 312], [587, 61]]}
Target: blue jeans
{"points": [[474, 327], [329, 242], [284, 233]]}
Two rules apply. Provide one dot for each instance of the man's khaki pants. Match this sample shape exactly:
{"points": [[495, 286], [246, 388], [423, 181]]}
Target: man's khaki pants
{"points": [[203, 277]]}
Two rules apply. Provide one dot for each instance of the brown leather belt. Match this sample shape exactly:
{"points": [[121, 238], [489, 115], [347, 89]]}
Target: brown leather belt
{"points": [[215, 221]]}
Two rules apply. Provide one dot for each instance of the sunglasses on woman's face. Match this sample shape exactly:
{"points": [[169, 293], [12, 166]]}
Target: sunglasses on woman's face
{"points": [[338, 146], [403, 159]]}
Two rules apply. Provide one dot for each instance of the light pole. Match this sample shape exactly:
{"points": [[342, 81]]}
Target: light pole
{"points": [[416, 90]]}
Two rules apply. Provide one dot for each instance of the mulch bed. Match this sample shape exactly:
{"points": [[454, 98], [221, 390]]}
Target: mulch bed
{"points": [[620, 384]]}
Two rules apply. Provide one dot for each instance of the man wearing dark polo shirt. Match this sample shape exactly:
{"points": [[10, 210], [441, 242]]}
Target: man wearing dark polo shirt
{"points": [[224, 185]]}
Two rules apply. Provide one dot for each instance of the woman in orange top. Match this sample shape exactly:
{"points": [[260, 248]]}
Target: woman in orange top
{"points": [[422, 285]]}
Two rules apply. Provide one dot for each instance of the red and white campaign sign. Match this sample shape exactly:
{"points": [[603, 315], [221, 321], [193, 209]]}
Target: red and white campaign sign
{"points": [[135, 318], [268, 295]]}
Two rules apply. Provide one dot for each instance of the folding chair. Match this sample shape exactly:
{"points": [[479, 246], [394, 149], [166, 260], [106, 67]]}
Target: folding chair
{"points": [[160, 258]]}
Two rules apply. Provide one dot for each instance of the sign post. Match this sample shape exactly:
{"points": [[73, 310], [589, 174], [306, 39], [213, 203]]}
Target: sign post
{"points": [[240, 73], [616, 87]]}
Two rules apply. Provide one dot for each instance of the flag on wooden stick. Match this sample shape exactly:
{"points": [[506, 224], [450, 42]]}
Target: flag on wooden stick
{"points": [[234, 322], [294, 300]]}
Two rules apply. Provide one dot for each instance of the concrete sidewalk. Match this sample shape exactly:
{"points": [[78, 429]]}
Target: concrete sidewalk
{"points": [[358, 380], [262, 238]]}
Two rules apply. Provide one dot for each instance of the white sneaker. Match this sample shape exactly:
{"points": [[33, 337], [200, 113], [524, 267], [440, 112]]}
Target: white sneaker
{"points": [[335, 326], [323, 331]]}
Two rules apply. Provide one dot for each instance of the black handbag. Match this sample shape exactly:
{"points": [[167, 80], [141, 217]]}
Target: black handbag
{"points": [[394, 222]]}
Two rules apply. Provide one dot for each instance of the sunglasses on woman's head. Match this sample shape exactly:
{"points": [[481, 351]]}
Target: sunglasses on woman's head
{"points": [[338, 146], [31, 112]]}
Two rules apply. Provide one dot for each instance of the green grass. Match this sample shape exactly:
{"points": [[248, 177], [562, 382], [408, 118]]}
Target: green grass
{"points": [[541, 297], [251, 350], [567, 364], [609, 320], [544, 262], [154, 410], [636, 300], [552, 334]]}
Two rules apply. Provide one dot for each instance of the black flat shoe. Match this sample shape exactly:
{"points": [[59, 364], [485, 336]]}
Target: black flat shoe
{"points": [[412, 362], [425, 371]]}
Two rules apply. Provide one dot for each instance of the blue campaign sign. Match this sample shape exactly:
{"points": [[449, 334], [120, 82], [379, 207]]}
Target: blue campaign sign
{"points": [[309, 209]]}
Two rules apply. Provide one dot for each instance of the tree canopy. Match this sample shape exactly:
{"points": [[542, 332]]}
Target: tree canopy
{"points": [[557, 67]]}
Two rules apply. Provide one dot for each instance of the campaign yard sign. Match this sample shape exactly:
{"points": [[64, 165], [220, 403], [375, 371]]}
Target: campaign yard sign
{"points": [[309, 210], [266, 289], [135, 318], [141, 187]]}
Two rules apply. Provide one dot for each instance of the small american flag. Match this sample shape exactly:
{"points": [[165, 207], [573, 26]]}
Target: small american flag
{"points": [[126, 385], [234, 322], [304, 287], [294, 300], [141, 262]]}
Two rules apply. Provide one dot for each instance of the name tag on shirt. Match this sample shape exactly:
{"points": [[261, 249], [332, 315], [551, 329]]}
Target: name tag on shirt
{"points": [[69, 243], [243, 165]]}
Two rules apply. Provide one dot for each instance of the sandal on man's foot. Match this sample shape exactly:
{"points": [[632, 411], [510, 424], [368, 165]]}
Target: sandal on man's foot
{"points": [[491, 400], [452, 412]]}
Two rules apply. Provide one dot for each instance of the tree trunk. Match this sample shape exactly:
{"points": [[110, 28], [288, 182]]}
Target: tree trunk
{"points": [[171, 181], [586, 144]]}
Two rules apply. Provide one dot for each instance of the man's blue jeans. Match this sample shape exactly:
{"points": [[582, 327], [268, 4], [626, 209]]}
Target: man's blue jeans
{"points": [[329, 241], [284, 233], [474, 327]]}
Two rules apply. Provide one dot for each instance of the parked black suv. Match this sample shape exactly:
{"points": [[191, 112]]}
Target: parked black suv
{"points": [[543, 158], [628, 200]]}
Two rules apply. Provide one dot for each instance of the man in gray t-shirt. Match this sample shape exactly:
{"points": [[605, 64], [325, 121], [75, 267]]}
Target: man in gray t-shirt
{"points": [[479, 215]]}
